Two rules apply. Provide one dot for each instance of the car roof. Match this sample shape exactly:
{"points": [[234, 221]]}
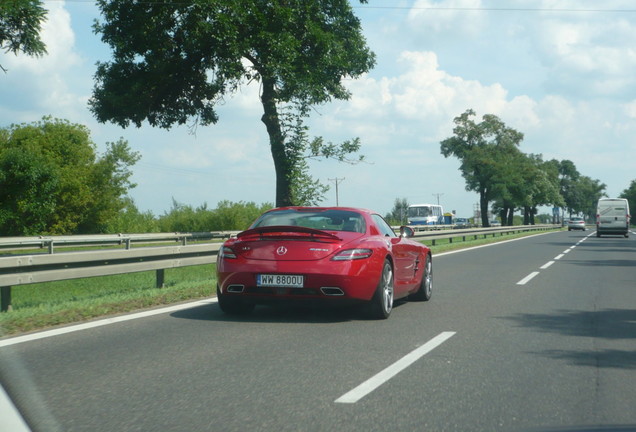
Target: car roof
{"points": [[304, 208]]}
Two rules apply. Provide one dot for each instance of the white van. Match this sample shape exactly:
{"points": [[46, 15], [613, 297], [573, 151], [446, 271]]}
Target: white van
{"points": [[612, 216]]}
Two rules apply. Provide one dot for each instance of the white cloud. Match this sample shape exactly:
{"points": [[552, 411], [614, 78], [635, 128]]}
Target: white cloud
{"points": [[48, 84]]}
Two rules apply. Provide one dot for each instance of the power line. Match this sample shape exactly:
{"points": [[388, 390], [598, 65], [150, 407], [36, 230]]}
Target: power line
{"points": [[492, 9], [428, 8]]}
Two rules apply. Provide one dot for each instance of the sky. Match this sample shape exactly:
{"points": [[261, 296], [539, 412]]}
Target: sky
{"points": [[562, 72]]}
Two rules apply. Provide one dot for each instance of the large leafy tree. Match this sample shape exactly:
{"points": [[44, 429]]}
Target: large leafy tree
{"points": [[174, 61], [508, 184], [630, 195], [305, 190], [484, 150], [20, 25], [568, 178], [27, 185], [542, 187], [528, 182], [52, 181], [589, 191]]}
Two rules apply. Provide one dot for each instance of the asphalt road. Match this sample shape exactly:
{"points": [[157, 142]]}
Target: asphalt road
{"points": [[536, 334]]}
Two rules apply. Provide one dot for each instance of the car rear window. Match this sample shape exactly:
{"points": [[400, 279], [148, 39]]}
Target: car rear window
{"points": [[326, 220]]}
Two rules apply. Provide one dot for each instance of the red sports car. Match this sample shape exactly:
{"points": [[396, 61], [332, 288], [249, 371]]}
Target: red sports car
{"points": [[337, 254]]}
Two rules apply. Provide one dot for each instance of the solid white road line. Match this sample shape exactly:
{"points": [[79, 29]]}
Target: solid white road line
{"points": [[103, 322], [377, 380], [527, 279]]}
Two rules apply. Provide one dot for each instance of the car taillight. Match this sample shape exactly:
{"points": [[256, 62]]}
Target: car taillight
{"points": [[227, 252], [352, 254]]}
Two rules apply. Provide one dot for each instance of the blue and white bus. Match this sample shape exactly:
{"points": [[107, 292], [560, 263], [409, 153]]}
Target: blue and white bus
{"points": [[425, 214]]}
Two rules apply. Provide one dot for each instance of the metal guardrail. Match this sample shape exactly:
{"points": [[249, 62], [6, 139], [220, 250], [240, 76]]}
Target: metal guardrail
{"points": [[477, 232], [127, 240], [47, 267], [43, 267]]}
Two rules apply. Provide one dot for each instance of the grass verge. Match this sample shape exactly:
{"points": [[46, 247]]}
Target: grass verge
{"points": [[44, 305], [39, 306]]}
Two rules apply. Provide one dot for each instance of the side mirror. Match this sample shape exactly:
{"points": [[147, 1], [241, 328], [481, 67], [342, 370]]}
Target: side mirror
{"points": [[406, 231]]}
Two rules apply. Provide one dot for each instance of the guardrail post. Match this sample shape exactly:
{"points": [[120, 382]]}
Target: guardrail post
{"points": [[5, 299], [160, 278]]}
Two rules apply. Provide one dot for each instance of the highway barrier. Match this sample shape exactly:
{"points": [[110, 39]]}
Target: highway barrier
{"points": [[137, 255]]}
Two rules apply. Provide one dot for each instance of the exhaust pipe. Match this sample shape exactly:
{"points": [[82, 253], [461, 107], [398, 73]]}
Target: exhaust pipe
{"points": [[332, 291], [236, 288]]}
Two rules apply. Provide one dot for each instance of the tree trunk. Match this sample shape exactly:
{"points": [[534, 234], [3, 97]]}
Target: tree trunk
{"points": [[526, 215], [503, 215], [483, 205], [277, 144]]}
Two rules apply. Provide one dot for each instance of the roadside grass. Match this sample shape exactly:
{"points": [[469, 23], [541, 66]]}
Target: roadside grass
{"points": [[38, 306], [43, 305]]}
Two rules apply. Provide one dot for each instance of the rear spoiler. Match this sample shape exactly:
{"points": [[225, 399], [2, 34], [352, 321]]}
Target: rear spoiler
{"points": [[282, 230]]}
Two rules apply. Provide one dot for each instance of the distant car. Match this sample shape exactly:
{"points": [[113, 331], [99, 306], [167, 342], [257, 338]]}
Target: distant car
{"points": [[576, 223], [462, 223], [334, 254], [494, 223]]}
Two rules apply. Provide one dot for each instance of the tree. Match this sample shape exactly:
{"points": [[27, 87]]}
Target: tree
{"points": [[52, 181], [398, 215], [305, 190], [568, 176], [543, 188], [589, 191], [20, 25], [130, 220], [227, 216], [483, 150], [174, 61], [27, 185], [630, 195], [508, 184], [529, 182]]}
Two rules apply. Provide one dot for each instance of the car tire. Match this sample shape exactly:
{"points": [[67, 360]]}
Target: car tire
{"points": [[382, 300], [233, 306], [425, 290]]}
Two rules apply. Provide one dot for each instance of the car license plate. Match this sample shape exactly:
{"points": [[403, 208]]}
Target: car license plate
{"points": [[275, 280]]}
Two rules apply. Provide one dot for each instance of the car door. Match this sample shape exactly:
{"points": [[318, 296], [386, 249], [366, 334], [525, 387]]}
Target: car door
{"points": [[405, 256]]}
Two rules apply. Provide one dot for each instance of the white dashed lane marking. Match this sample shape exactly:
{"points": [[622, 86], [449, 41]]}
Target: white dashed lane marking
{"points": [[527, 279], [380, 378]]}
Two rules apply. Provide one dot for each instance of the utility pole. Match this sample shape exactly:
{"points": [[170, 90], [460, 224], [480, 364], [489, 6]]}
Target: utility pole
{"points": [[438, 195], [336, 181]]}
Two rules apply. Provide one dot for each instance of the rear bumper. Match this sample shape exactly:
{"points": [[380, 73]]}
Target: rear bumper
{"points": [[342, 282], [612, 230]]}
